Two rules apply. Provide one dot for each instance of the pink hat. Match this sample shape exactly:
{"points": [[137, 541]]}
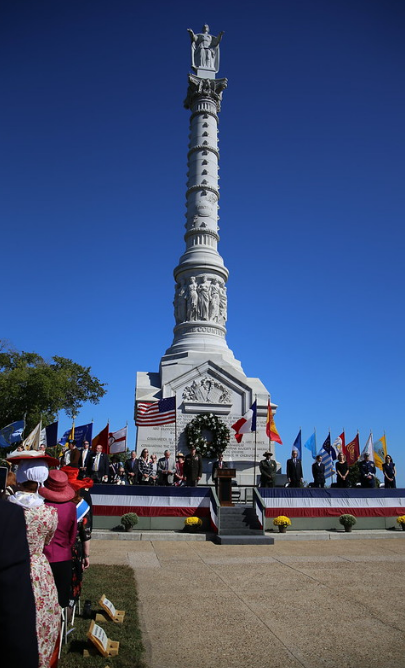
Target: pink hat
{"points": [[56, 487]]}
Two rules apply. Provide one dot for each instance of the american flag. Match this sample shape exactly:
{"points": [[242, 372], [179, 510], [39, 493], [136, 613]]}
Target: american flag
{"points": [[159, 412]]}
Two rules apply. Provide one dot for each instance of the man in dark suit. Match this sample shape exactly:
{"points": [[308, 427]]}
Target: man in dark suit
{"points": [[131, 469], [268, 469], [367, 471], [84, 460], [294, 470], [219, 464], [318, 472], [193, 466], [98, 465], [18, 637]]}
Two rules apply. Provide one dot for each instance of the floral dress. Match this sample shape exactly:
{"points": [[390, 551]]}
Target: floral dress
{"points": [[41, 525]]}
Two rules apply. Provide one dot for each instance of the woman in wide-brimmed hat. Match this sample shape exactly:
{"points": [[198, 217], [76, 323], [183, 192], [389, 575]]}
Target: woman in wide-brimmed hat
{"points": [[58, 494], [41, 524]]}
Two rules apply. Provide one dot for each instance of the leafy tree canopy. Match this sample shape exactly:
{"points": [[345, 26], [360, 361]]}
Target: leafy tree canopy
{"points": [[38, 389]]}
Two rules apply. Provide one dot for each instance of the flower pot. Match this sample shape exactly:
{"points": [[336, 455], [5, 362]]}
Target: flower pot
{"points": [[403, 527], [348, 529], [282, 529]]}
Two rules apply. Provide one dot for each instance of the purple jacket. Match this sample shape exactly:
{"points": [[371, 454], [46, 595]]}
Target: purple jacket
{"points": [[60, 547]]}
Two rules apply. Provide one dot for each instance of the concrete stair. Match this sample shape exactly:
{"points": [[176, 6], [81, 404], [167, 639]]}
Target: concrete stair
{"points": [[239, 526]]}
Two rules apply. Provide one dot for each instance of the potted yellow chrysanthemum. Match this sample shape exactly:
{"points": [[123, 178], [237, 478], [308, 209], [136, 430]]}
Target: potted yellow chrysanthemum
{"points": [[192, 524], [401, 522], [282, 522]]}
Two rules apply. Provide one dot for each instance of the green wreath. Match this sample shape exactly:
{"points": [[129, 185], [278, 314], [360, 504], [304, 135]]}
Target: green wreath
{"points": [[219, 430]]}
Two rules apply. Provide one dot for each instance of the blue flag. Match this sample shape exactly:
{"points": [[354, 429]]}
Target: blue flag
{"points": [[11, 434], [64, 439], [327, 457], [297, 444], [310, 444], [49, 435], [84, 433], [327, 460], [330, 449]]}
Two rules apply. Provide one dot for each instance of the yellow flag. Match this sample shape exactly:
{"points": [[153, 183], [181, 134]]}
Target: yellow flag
{"points": [[380, 452]]}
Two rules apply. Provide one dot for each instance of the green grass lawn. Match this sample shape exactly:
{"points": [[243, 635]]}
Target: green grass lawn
{"points": [[119, 586]]}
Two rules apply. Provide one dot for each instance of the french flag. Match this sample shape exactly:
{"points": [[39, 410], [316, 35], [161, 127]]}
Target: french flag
{"points": [[247, 423]]}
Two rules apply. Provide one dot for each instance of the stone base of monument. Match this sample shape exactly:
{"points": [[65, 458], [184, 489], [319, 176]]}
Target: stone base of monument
{"points": [[258, 539]]}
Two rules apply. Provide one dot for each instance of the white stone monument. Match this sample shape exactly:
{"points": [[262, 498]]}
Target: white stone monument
{"points": [[199, 368]]}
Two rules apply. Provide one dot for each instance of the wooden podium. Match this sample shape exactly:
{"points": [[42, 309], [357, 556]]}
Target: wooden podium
{"points": [[224, 477]]}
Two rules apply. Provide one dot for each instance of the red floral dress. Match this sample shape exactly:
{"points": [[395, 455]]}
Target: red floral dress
{"points": [[41, 525]]}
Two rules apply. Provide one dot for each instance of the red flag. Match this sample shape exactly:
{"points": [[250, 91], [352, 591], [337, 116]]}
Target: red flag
{"points": [[101, 439], [353, 451], [271, 429]]}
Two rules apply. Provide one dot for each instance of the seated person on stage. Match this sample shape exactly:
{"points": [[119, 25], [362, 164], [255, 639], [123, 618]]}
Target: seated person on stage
{"points": [[367, 471], [120, 477]]}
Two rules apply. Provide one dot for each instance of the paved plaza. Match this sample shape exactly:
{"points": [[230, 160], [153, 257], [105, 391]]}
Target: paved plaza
{"points": [[329, 603]]}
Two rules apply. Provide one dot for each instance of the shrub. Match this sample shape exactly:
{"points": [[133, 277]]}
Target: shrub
{"points": [[347, 520], [129, 520]]}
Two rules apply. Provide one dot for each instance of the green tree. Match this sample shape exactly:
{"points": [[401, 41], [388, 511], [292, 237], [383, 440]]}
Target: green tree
{"points": [[354, 475], [38, 389]]}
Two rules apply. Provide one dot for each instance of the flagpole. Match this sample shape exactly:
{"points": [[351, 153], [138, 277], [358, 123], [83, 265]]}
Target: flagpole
{"points": [[73, 427], [175, 435], [255, 466], [126, 439]]}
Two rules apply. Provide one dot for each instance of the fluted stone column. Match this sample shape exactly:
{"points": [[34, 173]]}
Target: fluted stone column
{"points": [[200, 301]]}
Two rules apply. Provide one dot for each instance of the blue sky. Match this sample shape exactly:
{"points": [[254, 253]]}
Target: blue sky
{"points": [[312, 139]]}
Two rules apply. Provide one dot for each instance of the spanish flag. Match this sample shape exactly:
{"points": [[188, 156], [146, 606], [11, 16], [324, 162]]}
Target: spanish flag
{"points": [[271, 429]]}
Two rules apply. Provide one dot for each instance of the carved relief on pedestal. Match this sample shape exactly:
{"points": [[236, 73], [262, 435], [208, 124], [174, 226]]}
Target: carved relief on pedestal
{"points": [[192, 300], [207, 390], [205, 300]]}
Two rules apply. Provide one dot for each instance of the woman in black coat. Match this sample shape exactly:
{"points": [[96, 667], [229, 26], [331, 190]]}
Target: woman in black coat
{"points": [[389, 472], [342, 471]]}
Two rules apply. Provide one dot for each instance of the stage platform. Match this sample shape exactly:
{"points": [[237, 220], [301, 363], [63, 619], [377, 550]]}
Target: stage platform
{"points": [[165, 508]]}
